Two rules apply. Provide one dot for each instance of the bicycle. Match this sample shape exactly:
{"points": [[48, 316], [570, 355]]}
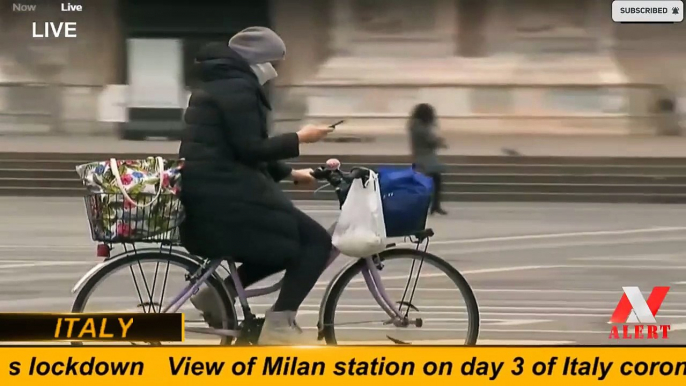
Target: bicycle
{"points": [[201, 271]]}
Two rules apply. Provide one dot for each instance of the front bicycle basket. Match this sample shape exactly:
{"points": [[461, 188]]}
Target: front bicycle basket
{"points": [[113, 219]]}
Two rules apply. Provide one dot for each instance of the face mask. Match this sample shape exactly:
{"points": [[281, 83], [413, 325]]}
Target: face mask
{"points": [[264, 71]]}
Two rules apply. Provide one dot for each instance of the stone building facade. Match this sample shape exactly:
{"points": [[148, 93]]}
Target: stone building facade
{"points": [[534, 66], [53, 84], [489, 66]]}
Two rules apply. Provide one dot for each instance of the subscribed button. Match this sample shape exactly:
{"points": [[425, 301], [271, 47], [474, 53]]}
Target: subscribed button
{"points": [[647, 11]]}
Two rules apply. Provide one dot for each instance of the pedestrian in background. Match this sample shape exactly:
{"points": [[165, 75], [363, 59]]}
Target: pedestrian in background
{"points": [[425, 143]]}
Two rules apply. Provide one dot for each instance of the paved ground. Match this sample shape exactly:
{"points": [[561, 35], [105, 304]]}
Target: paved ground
{"points": [[532, 145], [542, 273]]}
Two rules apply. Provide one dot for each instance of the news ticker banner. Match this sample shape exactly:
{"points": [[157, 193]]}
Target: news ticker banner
{"points": [[647, 11], [102, 327], [401, 365]]}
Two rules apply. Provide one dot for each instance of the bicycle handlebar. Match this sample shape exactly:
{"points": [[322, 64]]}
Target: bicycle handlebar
{"points": [[335, 176], [338, 179]]}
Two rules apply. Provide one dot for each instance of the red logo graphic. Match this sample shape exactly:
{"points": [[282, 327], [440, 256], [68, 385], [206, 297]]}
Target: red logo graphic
{"points": [[634, 309]]}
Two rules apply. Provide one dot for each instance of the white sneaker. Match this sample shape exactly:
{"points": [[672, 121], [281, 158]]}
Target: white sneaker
{"points": [[280, 329], [208, 303]]}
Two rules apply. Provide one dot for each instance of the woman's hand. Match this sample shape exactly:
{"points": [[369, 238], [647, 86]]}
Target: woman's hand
{"points": [[303, 176], [313, 133]]}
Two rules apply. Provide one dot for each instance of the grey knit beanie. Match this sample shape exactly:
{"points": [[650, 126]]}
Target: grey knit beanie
{"points": [[258, 45]]}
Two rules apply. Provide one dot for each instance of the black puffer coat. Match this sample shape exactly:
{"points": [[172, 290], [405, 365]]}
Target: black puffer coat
{"points": [[234, 205]]}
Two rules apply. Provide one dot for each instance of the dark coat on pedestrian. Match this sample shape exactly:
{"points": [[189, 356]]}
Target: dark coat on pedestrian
{"points": [[425, 144], [230, 179]]}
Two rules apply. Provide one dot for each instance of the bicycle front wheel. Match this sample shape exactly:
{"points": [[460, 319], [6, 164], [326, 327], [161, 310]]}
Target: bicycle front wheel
{"points": [[437, 303]]}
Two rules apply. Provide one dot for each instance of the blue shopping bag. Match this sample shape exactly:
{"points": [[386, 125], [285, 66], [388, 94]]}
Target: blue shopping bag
{"points": [[406, 197]]}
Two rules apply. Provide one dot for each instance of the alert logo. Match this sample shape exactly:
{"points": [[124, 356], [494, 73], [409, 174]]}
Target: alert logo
{"points": [[634, 317]]}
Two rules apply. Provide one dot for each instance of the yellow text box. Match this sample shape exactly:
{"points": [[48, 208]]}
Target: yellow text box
{"points": [[401, 365]]}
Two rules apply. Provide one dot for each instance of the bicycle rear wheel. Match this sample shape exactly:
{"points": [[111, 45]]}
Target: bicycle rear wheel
{"points": [[443, 320], [127, 275]]}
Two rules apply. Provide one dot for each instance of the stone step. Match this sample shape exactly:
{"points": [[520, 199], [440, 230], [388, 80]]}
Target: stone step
{"points": [[456, 172], [70, 159], [605, 179], [43, 192], [527, 187], [637, 198], [459, 174], [449, 196], [523, 185], [480, 178]]}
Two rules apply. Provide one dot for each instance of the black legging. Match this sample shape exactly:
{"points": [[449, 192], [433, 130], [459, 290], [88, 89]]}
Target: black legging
{"points": [[302, 273], [436, 203]]}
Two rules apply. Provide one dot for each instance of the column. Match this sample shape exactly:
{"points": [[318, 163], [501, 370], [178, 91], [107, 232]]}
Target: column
{"points": [[499, 27], [301, 24], [604, 27], [393, 28], [552, 26], [472, 28], [341, 30]]}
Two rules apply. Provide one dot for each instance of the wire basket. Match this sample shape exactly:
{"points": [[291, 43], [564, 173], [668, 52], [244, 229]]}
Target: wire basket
{"points": [[114, 219]]}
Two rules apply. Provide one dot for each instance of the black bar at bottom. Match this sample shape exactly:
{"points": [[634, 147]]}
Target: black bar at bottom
{"points": [[124, 327]]}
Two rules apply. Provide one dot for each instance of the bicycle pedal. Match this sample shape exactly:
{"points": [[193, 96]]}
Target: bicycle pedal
{"points": [[250, 331]]}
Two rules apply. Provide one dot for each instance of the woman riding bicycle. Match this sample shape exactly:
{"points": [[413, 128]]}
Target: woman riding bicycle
{"points": [[234, 206]]}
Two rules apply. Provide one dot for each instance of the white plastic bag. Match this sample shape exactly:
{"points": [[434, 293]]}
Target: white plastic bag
{"points": [[361, 231]]}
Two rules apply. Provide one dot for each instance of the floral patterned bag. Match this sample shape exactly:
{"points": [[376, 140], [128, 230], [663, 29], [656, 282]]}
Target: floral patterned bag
{"points": [[133, 200]]}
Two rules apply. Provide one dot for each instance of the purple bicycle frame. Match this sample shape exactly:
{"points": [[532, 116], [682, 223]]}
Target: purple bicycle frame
{"points": [[370, 273]]}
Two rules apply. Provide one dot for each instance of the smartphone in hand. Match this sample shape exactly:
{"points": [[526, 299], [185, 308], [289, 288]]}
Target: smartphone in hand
{"points": [[336, 124]]}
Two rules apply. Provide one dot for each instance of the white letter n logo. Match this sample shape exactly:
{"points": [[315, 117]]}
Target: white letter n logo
{"points": [[633, 308]]}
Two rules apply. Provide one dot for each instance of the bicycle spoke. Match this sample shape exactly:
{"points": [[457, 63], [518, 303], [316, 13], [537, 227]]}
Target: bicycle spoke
{"points": [[147, 289], [414, 288], [407, 285], [164, 286], [135, 283], [154, 283], [419, 274]]}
